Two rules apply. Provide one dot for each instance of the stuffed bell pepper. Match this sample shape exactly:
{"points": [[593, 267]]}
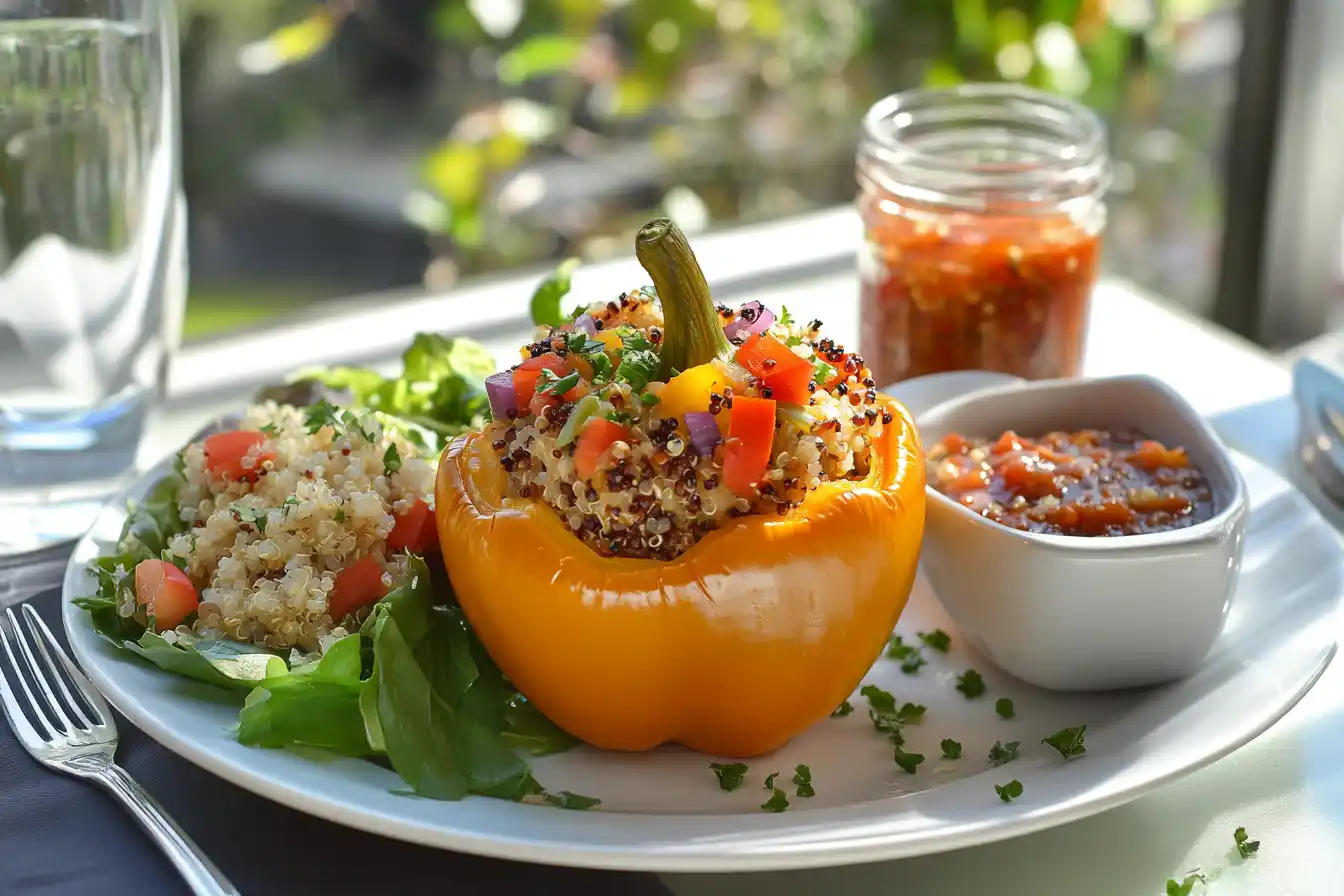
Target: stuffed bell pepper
{"points": [[685, 524]]}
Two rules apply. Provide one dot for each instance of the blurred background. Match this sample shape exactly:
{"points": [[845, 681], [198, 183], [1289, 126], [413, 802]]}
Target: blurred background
{"points": [[344, 146]]}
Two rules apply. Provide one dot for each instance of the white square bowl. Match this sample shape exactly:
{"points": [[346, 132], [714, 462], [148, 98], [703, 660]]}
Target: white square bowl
{"points": [[1078, 613]]}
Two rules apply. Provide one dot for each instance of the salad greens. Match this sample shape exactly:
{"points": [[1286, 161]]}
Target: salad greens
{"points": [[546, 300], [413, 687]]}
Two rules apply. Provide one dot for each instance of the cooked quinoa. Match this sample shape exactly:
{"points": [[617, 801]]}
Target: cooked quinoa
{"points": [[653, 494], [264, 550]]}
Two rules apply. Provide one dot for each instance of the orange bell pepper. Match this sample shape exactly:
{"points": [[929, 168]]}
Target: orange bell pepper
{"points": [[785, 374], [751, 433], [758, 631], [754, 633]]}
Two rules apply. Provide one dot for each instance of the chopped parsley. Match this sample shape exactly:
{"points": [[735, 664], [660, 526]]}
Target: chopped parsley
{"points": [[1245, 846], [1004, 707], [770, 780], [778, 802], [910, 713], [340, 516], [844, 709], [1010, 791], [1002, 754], [971, 684], [567, 800], [897, 649], [258, 517], [911, 664], [785, 318], [648, 399], [351, 420], [391, 460], [289, 502], [907, 761], [270, 429], [802, 779], [731, 775], [1184, 887], [324, 413], [550, 384], [938, 639], [951, 749], [1068, 741], [878, 699], [639, 365]]}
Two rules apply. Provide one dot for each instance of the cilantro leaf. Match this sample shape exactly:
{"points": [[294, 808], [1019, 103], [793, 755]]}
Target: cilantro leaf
{"points": [[844, 709], [897, 649], [938, 639], [878, 699], [908, 761], [1004, 707], [258, 516], [545, 306], [770, 780], [785, 318], [731, 775], [648, 399], [778, 802], [971, 684], [1010, 791], [638, 368], [391, 459], [951, 749], [567, 800], [912, 663], [1002, 754], [1068, 741], [324, 413], [802, 779], [1245, 846]]}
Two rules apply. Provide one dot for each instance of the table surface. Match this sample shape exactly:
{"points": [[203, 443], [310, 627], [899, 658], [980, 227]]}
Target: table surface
{"points": [[1286, 788]]}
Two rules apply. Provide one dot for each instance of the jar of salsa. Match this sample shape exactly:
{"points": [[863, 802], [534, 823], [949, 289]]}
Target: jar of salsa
{"points": [[982, 211]]}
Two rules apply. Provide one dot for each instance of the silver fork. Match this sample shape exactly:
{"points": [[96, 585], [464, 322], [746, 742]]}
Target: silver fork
{"points": [[62, 737]]}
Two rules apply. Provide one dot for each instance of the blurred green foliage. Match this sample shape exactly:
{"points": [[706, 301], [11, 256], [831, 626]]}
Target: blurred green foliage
{"points": [[749, 108]]}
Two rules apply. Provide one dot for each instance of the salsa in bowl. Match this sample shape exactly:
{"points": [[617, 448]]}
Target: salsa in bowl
{"points": [[1084, 534]]}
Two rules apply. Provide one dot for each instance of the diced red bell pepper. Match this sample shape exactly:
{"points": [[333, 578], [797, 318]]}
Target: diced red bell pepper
{"points": [[415, 530], [746, 454], [597, 436], [166, 592], [358, 585], [526, 374], [783, 372], [845, 367], [224, 453]]}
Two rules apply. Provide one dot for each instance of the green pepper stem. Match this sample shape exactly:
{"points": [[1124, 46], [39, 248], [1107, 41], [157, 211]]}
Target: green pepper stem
{"points": [[692, 331]]}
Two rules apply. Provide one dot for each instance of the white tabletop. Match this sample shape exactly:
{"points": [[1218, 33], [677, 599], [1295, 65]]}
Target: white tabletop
{"points": [[1286, 788]]}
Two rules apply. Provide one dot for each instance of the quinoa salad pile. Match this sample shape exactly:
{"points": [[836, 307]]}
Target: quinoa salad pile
{"points": [[643, 466], [304, 495]]}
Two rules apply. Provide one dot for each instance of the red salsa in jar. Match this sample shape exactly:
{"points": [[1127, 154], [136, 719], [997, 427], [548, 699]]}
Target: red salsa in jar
{"points": [[1086, 483], [982, 207]]}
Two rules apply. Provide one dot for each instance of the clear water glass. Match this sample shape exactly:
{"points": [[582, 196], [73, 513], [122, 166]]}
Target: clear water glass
{"points": [[92, 253]]}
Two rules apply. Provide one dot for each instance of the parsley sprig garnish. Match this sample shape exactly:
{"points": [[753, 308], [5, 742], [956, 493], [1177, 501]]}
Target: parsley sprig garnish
{"points": [[730, 775], [1246, 847], [779, 800], [1068, 741], [1002, 754], [971, 684], [802, 779], [1010, 791], [391, 460], [909, 655]]}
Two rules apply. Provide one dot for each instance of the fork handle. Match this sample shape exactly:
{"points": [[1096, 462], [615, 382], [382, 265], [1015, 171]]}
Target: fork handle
{"points": [[200, 873]]}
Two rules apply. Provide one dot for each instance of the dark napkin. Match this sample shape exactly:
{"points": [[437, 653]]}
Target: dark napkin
{"points": [[59, 835]]}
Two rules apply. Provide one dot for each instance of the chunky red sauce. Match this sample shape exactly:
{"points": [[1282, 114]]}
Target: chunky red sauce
{"points": [[1091, 482], [974, 292]]}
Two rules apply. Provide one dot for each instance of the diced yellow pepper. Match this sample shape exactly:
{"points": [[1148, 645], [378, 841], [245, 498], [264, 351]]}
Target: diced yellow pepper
{"points": [[689, 391]]}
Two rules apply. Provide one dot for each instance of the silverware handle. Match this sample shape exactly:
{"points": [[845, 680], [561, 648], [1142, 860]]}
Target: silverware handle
{"points": [[200, 873]]}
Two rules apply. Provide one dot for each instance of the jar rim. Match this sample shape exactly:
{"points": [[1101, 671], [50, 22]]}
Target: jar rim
{"points": [[1053, 149]]}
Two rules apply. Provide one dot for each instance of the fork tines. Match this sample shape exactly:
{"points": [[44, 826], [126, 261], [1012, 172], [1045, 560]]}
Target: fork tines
{"points": [[39, 670]]}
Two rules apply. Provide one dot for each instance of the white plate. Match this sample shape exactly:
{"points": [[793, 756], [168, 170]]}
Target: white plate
{"points": [[664, 811]]}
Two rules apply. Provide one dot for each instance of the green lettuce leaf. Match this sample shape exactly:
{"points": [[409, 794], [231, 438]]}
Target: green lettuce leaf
{"points": [[316, 705], [228, 664], [440, 710], [151, 523]]}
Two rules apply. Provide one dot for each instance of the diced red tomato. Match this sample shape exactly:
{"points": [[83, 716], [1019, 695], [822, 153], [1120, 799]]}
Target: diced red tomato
{"points": [[597, 436], [782, 371], [224, 453], [746, 454], [358, 585], [526, 374], [166, 592], [415, 530]]}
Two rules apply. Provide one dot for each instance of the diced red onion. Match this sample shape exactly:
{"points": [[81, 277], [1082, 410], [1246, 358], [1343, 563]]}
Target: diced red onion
{"points": [[704, 431], [503, 398], [586, 323], [752, 318]]}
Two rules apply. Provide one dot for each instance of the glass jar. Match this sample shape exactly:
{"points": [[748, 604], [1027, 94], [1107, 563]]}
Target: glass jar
{"points": [[982, 211]]}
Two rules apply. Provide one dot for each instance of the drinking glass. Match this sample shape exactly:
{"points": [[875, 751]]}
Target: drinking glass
{"points": [[92, 253]]}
